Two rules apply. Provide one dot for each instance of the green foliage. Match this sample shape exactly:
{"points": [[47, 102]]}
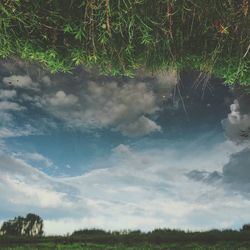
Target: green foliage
{"points": [[121, 36], [173, 246]]}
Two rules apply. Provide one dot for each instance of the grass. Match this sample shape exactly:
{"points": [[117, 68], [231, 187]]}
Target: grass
{"points": [[172, 246], [157, 239], [119, 37]]}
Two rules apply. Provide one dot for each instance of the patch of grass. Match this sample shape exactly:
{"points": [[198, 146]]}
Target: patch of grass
{"points": [[172, 246], [118, 37]]}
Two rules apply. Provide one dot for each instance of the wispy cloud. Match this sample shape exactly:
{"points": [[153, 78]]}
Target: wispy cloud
{"points": [[36, 157]]}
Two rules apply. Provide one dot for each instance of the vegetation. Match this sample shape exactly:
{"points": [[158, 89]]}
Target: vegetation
{"points": [[158, 237], [171, 246], [93, 239], [122, 36], [31, 225]]}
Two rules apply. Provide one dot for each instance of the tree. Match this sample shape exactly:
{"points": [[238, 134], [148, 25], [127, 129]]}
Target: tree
{"points": [[245, 228], [31, 225]]}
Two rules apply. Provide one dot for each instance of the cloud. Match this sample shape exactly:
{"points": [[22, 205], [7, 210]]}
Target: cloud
{"points": [[32, 194], [46, 80], [121, 107], [21, 184], [16, 132], [121, 149], [237, 125], [8, 127], [10, 106], [142, 126], [8, 119], [14, 166], [5, 117], [130, 107], [146, 190], [7, 94], [61, 99], [36, 157], [236, 173], [21, 81], [204, 176], [234, 176]]}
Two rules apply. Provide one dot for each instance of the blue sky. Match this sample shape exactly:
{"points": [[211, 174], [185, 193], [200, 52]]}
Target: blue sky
{"points": [[83, 150]]}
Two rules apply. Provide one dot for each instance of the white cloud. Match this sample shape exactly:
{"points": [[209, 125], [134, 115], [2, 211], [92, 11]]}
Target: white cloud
{"points": [[7, 121], [7, 94], [23, 193], [38, 157], [21, 184], [142, 126], [16, 132], [10, 106], [46, 80], [121, 149], [20, 81], [121, 107], [5, 117], [61, 99], [145, 190], [237, 125]]}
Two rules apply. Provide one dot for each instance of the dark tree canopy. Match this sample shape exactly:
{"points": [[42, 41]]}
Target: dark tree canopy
{"points": [[246, 228], [31, 225]]}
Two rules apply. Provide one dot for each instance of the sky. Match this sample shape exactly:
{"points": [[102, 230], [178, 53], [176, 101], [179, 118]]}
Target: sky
{"points": [[155, 151]]}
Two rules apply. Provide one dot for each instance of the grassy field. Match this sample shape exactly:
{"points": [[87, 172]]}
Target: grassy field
{"points": [[119, 37], [172, 246]]}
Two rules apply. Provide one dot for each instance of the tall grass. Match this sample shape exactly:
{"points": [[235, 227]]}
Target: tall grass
{"points": [[121, 36]]}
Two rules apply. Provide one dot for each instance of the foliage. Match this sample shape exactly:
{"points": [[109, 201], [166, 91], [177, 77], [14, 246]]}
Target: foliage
{"points": [[121, 36], [133, 238], [89, 232], [246, 228], [173, 246], [31, 225]]}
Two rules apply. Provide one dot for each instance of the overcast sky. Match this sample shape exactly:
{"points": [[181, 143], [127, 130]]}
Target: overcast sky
{"points": [[86, 151]]}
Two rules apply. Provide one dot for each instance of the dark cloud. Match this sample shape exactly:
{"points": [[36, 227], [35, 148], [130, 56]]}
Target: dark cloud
{"points": [[204, 176], [236, 173], [234, 177]]}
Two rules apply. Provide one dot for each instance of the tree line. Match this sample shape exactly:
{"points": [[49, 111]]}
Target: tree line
{"points": [[30, 229]]}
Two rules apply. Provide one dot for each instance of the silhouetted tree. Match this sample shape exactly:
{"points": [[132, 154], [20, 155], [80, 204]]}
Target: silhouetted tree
{"points": [[245, 228], [31, 225]]}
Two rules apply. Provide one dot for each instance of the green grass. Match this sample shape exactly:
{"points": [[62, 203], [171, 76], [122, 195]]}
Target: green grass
{"points": [[173, 246], [119, 37]]}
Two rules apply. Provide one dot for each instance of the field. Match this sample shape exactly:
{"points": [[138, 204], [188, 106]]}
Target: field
{"points": [[164, 239], [171, 246]]}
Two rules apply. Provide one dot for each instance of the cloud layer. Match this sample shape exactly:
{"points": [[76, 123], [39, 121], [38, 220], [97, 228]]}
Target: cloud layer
{"points": [[140, 189], [125, 108], [85, 104]]}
